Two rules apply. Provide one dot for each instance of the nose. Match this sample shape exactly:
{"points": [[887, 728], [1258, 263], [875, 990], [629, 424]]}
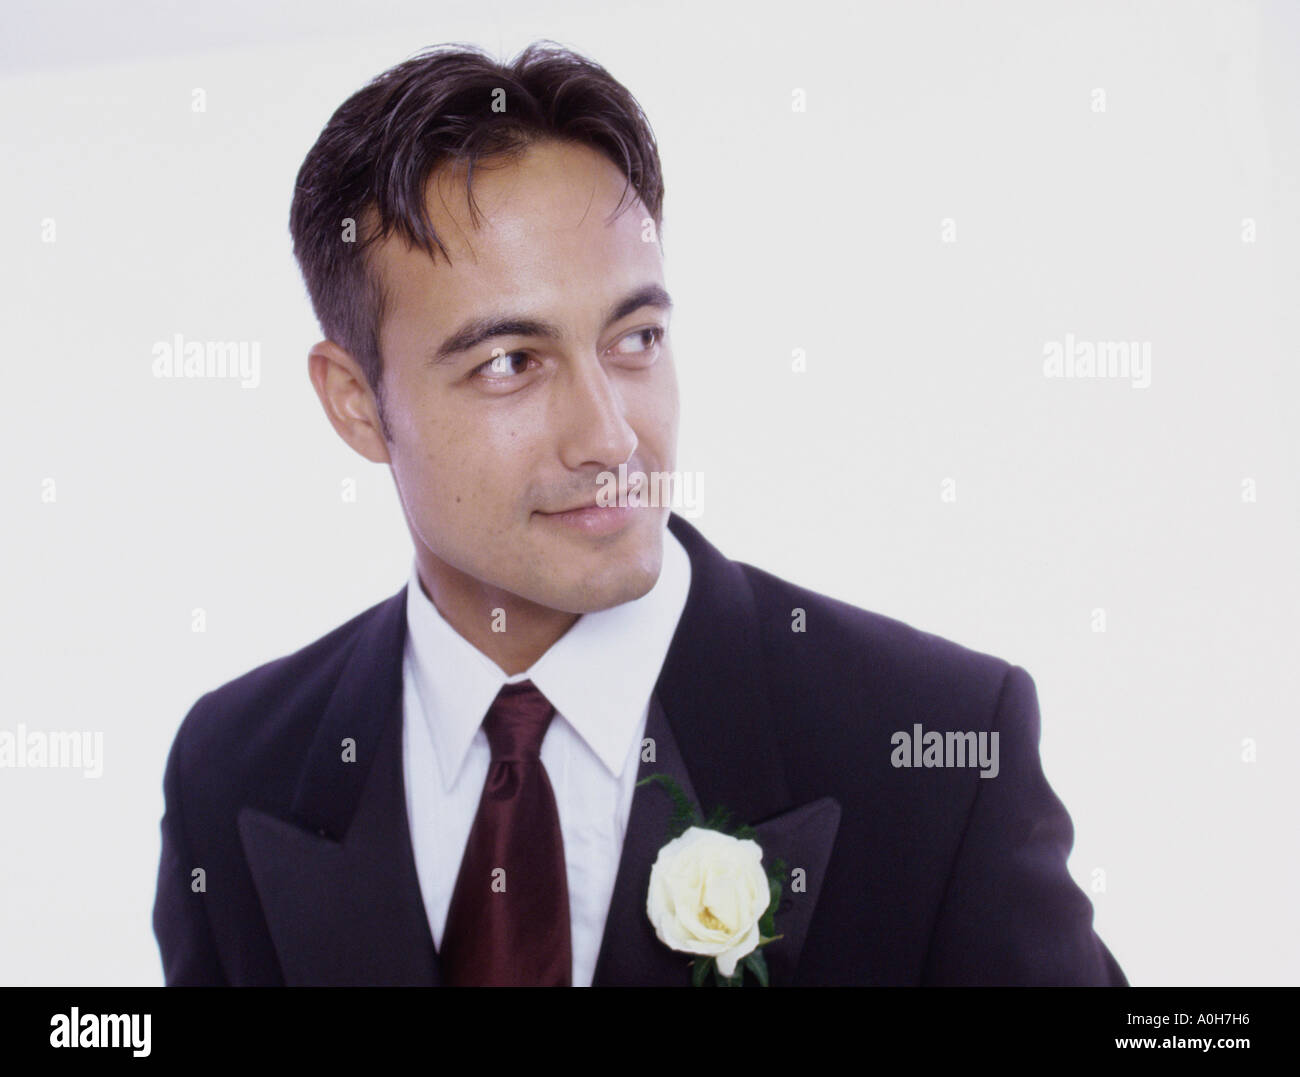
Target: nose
{"points": [[595, 431]]}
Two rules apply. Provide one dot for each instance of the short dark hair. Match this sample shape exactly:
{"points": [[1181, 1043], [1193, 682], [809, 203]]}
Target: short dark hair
{"points": [[372, 162]]}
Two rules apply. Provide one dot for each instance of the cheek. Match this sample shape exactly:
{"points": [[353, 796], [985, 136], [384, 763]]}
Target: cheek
{"points": [[658, 413], [465, 469], [433, 460], [667, 385], [651, 397]]}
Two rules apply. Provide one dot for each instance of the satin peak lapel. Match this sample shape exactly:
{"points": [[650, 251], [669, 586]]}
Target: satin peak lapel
{"points": [[631, 954], [713, 733], [338, 885]]}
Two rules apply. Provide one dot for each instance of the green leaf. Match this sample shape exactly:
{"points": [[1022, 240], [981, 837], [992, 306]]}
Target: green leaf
{"points": [[683, 815], [700, 970], [718, 819], [757, 964]]}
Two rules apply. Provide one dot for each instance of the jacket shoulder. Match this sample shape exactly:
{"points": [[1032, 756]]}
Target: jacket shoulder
{"points": [[838, 642], [276, 702]]}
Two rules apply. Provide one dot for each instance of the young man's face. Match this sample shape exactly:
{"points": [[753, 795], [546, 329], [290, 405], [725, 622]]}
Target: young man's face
{"points": [[488, 453]]}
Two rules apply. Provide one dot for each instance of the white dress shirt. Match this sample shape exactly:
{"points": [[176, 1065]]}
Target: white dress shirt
{"points": [[599, 676]]}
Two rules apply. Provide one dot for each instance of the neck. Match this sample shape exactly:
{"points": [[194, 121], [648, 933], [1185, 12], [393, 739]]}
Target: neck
{"points": [[510, 630]]}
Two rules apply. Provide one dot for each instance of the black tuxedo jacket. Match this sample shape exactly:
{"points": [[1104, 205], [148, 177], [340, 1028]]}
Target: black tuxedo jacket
{"points": [[282, 863]]}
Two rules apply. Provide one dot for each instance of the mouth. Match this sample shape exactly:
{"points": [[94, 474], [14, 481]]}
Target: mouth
{"points": [[590, 518]]}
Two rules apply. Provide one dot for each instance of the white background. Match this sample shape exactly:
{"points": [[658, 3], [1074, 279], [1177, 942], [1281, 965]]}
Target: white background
{"points": [[818, 230]]}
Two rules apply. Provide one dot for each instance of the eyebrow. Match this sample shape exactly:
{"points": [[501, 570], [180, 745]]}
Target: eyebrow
{"points": [[478, 330]]}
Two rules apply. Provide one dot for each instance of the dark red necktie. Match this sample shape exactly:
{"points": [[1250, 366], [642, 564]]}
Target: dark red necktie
{"points": [[508, 924]]}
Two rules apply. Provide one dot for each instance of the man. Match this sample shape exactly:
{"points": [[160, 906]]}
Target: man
{"points": [[444, 790]]}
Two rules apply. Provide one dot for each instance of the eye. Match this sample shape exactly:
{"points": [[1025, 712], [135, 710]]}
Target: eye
{"points": [[501, 367], [655, 333]]}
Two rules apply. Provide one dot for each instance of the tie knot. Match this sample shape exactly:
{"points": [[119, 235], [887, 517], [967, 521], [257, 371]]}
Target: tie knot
{"points": [[517, 721]]}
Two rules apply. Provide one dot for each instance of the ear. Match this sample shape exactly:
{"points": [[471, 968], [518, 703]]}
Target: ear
{"points": [[348, 402]]}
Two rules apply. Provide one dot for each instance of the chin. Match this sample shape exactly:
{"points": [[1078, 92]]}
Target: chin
{"points": [[625, 581]]}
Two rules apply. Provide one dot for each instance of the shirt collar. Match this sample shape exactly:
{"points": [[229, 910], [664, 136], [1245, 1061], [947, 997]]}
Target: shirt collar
{"points": [[599, 675]]}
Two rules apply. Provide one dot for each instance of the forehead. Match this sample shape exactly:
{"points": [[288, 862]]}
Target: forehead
{"points": [[543, 234]]}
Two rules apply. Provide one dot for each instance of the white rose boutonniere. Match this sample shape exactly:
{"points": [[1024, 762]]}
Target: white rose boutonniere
{"points": [[710, 895], [707, 892]]}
